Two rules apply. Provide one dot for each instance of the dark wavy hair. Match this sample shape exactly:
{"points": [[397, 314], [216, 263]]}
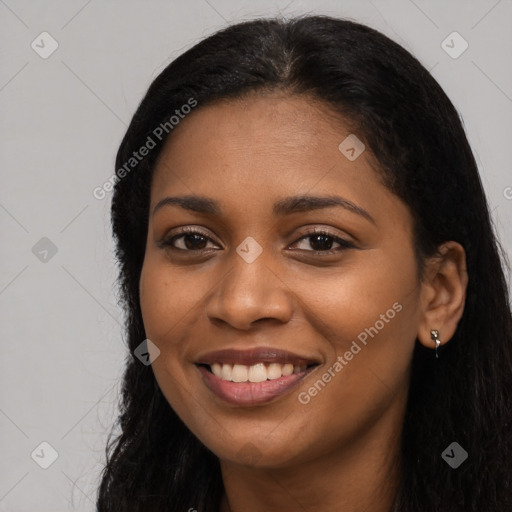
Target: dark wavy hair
{"points": [[154, 462]]}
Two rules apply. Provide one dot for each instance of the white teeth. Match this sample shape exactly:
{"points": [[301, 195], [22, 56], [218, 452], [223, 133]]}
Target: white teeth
{"points": [[227, 371], [217, 370], [256, 373], [240, 373], [287, 369], [274, 371]]}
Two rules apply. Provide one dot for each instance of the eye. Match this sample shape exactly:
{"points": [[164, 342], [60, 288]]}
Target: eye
{"points": [[321, 241], [190, 239]]}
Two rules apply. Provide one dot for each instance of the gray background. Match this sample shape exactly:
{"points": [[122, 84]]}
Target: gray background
{"points": [[62, 119]]}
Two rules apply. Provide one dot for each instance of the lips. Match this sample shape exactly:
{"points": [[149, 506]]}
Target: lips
{"points": [[255, 376], [254, 356]]}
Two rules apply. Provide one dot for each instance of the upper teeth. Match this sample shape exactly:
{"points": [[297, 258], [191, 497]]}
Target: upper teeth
{"points": [[255, 373]]}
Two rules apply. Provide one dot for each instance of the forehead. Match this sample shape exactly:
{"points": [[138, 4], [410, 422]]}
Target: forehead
{"points": [[253, 151], [271, 135], [283, 116]]}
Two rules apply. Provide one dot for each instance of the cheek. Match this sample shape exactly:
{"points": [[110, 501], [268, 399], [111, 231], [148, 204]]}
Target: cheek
{"points": [[371, 318], [169, 303], [367, 314], [167, 298], [373, 295]]}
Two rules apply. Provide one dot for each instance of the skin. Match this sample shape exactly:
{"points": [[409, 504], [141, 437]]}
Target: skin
{"points": [[336, 452]]}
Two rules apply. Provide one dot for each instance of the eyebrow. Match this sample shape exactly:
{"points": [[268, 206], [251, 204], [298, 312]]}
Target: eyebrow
{"points": [[286, 206]]}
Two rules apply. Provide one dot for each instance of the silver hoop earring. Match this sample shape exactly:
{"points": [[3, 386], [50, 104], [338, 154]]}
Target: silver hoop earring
{"points": [[434, 334]]}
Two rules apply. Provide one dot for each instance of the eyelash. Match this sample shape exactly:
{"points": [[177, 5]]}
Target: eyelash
{"points": [[168, 242]]}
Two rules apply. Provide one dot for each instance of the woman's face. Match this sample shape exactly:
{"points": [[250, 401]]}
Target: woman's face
{"points": [[310, 337]]}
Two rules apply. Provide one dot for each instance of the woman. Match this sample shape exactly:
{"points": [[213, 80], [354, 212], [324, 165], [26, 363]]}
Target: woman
{"points": [[308, 263]]}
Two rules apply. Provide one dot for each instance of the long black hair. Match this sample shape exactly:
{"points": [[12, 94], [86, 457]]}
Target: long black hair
{"points": [[416, 135]]}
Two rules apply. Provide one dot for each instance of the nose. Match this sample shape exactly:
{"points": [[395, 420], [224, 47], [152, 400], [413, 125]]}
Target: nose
{"points": [[250, 293]]}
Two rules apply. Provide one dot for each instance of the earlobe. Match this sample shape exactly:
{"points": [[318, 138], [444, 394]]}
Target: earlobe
{"points": [[443, 295]]}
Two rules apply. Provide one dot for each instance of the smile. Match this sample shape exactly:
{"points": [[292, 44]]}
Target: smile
{"points": [[253, 377]]}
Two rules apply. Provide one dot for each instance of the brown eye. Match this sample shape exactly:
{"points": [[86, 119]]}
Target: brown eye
{"points": [[322, 241], [189, 239]]}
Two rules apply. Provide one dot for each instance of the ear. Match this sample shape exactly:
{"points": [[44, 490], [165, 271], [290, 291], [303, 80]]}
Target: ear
{"points": [[443, 293]]}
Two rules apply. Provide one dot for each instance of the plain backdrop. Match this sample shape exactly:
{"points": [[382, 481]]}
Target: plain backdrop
{"points": [[61, 120]]}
